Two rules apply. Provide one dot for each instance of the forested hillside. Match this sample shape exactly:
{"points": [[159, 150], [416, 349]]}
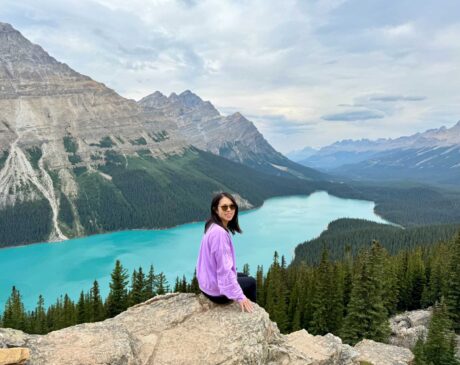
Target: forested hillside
{"points": [[345, 235], [406, 204]]}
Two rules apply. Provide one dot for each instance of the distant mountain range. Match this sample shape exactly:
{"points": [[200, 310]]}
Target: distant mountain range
{"points": [[429, 157], [77, 158]]}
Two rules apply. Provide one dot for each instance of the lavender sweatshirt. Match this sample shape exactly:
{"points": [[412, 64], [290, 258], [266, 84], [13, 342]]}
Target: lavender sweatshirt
{"points": [[215, 268]]}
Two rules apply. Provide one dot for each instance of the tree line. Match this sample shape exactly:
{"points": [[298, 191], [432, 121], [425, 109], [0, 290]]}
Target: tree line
{"points": [[352, 297], [90, 306]]}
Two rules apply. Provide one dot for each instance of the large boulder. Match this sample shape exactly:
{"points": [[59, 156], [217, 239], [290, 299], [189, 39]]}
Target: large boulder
{"points": [[324, 350], [185, 328], [376, 353], [169, 329], [408, 327]]}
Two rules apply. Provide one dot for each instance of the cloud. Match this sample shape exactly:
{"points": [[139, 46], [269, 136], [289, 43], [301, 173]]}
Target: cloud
{"points": [[354, 115], [395, 62], [395, 98]]}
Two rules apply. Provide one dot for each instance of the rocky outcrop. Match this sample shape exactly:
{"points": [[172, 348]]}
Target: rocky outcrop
{"points": [[179, 328], [169, 329], [408, 327], [324, 350], [376, 353]]}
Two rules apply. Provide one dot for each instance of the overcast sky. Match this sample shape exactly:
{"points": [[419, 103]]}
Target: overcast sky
{"points": [[307, 73]]}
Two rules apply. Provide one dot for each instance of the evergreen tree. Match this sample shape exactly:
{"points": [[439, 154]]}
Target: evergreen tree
{"points": [[321, 300], [97, 307], [184, 284], [14, 315], [117, 300], [348, 277], [39, 323], [367, 316], [82, 316], [162, 284], [150, 283], [69, 316], [138, 287], [416, 279], [439, 348], [177, 285], [194, 286], [276, 300], [453, 291], [246, 269], [260, 286], [419, 353]]}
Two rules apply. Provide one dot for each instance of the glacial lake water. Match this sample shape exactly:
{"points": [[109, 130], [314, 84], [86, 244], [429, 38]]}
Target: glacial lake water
{"points": [[52, 269]]}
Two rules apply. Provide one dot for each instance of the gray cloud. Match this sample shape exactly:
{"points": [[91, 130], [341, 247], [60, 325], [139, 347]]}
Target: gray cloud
{"points": [[288, 73], [394, 98], [354, 115]]}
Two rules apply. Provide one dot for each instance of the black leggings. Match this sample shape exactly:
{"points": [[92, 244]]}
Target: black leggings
{"points": [[248, 285]]}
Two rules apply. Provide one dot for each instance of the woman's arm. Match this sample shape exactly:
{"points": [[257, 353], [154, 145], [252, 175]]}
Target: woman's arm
{"points": [[226, 278]]}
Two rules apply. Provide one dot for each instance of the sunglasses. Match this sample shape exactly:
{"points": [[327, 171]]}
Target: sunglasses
{"points": [[227, 207]]}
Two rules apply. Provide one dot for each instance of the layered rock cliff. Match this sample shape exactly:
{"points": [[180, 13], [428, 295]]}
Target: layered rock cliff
{"points": [[54, 120], [189, 329], [233, 136]]}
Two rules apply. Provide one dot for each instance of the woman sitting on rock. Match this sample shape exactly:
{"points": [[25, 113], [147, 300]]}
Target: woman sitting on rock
{"points": [[216, 267]]}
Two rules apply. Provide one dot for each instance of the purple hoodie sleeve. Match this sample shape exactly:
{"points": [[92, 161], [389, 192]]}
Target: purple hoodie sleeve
{"points": [[226, 277]]}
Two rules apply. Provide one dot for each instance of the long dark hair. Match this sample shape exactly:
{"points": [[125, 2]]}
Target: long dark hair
{"points": [[233, 225]]}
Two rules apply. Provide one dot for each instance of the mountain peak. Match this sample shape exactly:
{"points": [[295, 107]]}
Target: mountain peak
{"points": [[237, 115], [190, 99], [29, 69], [154, 100], [5, 27]]}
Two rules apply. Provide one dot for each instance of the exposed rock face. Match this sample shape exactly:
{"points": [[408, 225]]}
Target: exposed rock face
{"points": [[233, 137], [169, 329], [377, 353], [15, 356], [408, 327], [179, 328], [42, 100], [324, 350], [55, 119]]}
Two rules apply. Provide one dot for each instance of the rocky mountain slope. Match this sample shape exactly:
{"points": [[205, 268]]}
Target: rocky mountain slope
{"points": [[190, 329], [233, 137], [76, 158], [432, 156]]}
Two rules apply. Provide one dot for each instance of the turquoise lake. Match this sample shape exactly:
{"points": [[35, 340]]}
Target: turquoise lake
{"points": [[52, 269]]}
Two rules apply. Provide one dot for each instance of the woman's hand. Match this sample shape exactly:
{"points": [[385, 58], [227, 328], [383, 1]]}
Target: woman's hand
{"points": [[246, 304]]}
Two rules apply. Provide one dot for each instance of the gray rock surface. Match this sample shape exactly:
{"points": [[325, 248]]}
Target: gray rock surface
{"points": [[169, 329], [180, 328], [43, 102], [408, 327], [205, 332], [233, 136], [324, 350], [377, 353]]}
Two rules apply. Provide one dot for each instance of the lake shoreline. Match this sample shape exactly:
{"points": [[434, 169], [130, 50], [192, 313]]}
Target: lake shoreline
{"points": [[280, 224], [255, 207]]}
